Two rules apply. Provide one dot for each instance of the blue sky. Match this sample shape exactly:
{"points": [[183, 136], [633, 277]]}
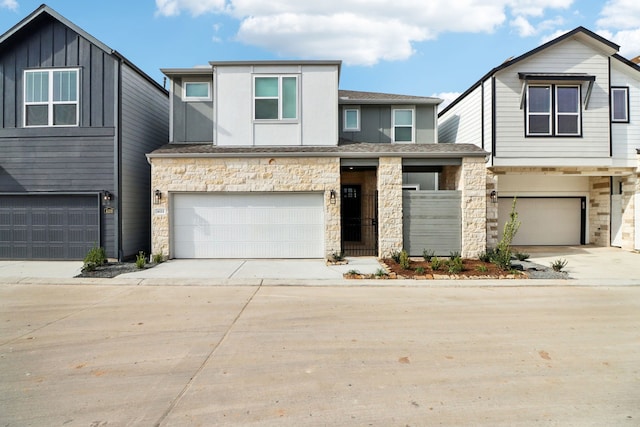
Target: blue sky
{"points": [[413, 47]]}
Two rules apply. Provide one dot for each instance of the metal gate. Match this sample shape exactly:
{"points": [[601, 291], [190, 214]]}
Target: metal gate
{"points": [[359, 213]]}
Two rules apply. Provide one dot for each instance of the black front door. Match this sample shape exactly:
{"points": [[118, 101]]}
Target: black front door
{"points": [[351, 213], [359, 222]]}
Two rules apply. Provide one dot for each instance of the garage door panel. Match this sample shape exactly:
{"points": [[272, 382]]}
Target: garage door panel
{"points": [[248, 225], [544, 221]]}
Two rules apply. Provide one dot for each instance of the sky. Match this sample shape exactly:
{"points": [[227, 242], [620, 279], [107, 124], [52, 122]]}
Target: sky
{"points": [[411, 47]]}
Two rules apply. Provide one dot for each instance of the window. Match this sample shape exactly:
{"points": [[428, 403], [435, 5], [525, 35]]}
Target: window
{"points": [[51, 97], [620, 104], [553, 110], [351, 119], [403, 125], [196, 91], [276, 98]]}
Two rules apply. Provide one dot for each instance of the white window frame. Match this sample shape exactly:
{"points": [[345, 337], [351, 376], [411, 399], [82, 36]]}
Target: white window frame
{"points": [[280, 78], [412, 109], [550, 113], [576, 114], [625, 90], [187, 98], [344, 119], [50, 102]]}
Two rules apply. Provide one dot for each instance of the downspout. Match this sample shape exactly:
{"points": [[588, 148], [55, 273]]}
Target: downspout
{"points": [[118, 171]]}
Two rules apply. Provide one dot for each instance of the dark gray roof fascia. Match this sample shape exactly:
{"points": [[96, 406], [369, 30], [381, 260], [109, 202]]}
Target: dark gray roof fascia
{"points": [[277, 62], [194, 71]]}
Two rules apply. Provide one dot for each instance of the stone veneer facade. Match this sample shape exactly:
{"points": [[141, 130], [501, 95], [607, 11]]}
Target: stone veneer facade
{"points": [[206, 174], [472, 181], [389, 206]]}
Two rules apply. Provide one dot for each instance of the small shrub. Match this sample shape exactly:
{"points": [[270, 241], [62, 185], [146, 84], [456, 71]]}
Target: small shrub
{"points": [[454, 254], [158, 258], [427, 254], [337, 256], [521, 256], [141, 260], [404, 262], [482, 268], [353, 272], [502, 259], [395, 255], [436, 263], [381, 273], [455, 265], [559, 264], [420, 270], [95, 258], [486, 255]]}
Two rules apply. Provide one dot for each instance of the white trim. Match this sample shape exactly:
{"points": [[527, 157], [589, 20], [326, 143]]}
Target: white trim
{"points": [[410, 108], [624, 89], [279, 98], [577, 114], [344, 119], [187, 98], [50, 103], [528, 112]]}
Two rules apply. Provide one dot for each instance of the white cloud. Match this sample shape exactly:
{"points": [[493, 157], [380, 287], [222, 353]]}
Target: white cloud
{"points": [[9, 4], [358, 31], [447, 97], [620, 14], [628, 40]]}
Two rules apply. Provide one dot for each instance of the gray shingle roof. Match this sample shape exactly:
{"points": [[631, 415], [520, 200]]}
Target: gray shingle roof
{"points": [[357, 97], [361, 150]]}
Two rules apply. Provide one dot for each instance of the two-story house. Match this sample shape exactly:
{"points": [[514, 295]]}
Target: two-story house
{"points": [[76, 120], [270, 159], [562, 124]]}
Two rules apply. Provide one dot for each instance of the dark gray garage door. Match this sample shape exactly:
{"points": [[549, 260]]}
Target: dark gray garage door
{"points": [[48, 227]]}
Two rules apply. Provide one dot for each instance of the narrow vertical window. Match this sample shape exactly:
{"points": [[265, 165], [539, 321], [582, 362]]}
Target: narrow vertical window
{"points": [[351, 119], [620, 104], [567, 110], [539, 110], [403, 125]]}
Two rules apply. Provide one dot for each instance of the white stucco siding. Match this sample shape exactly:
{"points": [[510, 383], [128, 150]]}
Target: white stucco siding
{"points": [[626, 136], [319, 105], [570, 56], [462, 124], [233, 106]]}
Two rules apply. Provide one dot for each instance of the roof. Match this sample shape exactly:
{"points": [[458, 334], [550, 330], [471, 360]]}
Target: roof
{"points": [[278, 62], [44, 9], [357, 97], [352, 150], [579, 32]]}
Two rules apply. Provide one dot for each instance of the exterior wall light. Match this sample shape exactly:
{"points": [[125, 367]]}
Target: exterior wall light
{"points": [[107, 196], [157, 197], [494, 196], [332, 197]]}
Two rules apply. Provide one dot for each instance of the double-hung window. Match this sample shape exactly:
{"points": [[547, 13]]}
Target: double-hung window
{"points": [[275, 98], [620, 104], [403, 129], [51, 97], [351, 119], [553, 110]]}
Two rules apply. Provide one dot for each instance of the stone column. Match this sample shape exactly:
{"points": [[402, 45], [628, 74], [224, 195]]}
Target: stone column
{"points": [[599, 208], [389, 206], [628, 212], [473, 185]]}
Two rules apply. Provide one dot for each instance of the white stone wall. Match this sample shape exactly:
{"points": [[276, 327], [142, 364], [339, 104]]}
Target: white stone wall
{"points": [[244, 174], [599, 210], [389, 206], [472, 181]]}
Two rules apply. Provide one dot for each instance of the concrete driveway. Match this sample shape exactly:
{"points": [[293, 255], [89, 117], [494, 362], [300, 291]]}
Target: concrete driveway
{"points": [[341, 356]]}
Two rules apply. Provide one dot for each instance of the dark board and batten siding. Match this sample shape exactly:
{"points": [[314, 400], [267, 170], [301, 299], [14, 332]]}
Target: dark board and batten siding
{"points": [[145, 127], [433, 221]]}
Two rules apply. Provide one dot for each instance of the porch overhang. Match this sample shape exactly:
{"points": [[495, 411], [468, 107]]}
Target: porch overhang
{"points": [[557, 77]]}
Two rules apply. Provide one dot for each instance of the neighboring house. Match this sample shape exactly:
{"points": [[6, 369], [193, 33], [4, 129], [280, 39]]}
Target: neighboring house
{"points": [[562, 124], [76, 120], [269, 159]]}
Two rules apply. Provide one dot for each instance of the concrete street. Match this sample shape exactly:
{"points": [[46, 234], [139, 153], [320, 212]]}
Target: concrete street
{"points": [[393, 355]]}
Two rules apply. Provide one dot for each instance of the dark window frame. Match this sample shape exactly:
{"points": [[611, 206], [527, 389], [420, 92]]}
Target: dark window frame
{"points": [[627, 105], [553, 112]]}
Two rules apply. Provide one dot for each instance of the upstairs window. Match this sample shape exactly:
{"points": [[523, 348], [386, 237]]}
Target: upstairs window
{"points": [[403, 129], [620, 104], [51, 97], [553, 110], [196, 91], [351, 119], [276, 98]]}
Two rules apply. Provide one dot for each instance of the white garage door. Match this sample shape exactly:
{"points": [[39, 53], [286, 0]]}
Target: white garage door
{"points": [[248, 225], [544, 221]]}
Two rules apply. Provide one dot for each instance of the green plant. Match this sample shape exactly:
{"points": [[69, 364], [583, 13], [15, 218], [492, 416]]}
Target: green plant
{"points": [[482, 268], [436, 263], [337, 256], [395, 255], [141, 260], [405, 263], [454, 254], [559, 264], [521, 256], [427, 254], [381, 273], [158, 258], [420, 270], [486, 255], [455, 265], [502, 256], [95, 258], [353, 273]]}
